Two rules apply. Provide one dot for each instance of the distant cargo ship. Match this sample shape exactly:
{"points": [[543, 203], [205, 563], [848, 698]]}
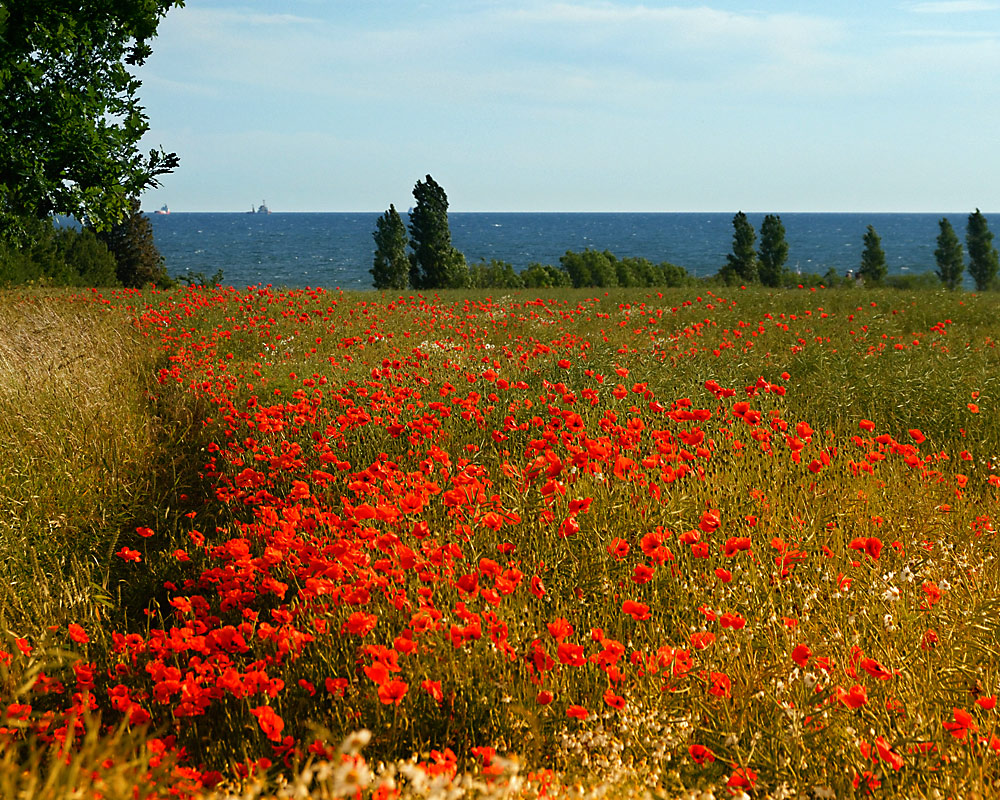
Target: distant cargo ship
{"points": [[162, 210], [261, 209]]}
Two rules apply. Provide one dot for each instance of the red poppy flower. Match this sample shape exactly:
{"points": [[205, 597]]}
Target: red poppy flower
{"points": [[560, 628], [887, 754], [855, 697], [270, 723], [801, 654], [963, 723], [577, 712], [392, 692], [618, 548], [78, 634], [433, 688], [571, 654], [710, 520], [638, 611], [129, 554], [742, 778], [700, 754], [987, 703]]}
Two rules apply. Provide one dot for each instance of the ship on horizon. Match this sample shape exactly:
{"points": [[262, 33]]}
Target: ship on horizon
{"points": [[162, 209], [261, 209]]}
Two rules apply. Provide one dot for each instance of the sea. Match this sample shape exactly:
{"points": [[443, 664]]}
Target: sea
{"points": [[297, 250]]}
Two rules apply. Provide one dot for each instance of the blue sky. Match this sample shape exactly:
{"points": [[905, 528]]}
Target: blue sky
{"points": [[342, 105]]}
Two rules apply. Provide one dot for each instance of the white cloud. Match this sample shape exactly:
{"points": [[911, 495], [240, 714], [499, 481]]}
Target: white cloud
{"points": [[953, 7]]}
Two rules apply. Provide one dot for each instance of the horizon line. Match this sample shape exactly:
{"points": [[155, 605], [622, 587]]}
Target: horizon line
{"points": [[493, 211]]}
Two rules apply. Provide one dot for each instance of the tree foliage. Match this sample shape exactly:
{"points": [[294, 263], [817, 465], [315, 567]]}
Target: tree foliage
{"points": [[590, 268], [873, 266], [741, 264], [983, 260], [949, 256], [773, 251], [595, 268], [434, 262], [494, 275], [70, 118], [391, 267], [57, 256], [130, 241], [544, 276]]}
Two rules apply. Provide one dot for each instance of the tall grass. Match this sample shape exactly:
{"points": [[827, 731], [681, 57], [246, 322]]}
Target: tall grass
{"points": [[90, 448], [813, 596]]}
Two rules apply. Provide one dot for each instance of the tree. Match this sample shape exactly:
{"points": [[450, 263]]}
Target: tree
{"points": [[70, 119], [983, 260], [949, 256], [434, 263], [130, 241], [873, 267], [773, 251], [741, 264], [590, 268], [391, 268]]}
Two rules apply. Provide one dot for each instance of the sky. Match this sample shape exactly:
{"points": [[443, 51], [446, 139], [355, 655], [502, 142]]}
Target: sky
{"points": [[581, 105]]}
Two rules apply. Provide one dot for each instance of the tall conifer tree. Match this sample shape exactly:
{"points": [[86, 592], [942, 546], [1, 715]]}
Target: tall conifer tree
{"points": [[949, 256], [434, 262], [873, 267], [983, 261], [131, 243], [773, 251], [741, 264], [391, 267]]}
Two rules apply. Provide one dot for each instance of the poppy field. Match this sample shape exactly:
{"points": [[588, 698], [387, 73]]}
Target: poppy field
{"points": [[640, 543]]}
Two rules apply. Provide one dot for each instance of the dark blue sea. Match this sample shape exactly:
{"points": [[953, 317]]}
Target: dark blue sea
{"points": [[335, 249]]}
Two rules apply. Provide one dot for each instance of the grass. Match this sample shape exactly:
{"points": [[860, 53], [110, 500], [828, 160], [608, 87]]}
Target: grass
{"points": [[644, 543]]}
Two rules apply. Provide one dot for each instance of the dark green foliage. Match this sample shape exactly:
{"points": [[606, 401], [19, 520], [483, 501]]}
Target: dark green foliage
{"points": [[873, 267], [674, 275], [831, 278], [131, 243], [983, 261], [538, 276], [642, 272], [88, 261], [494, 275], [741, 264], [773, 251], [914, 281], [199, 279], [434, 262], [593, 268], [949, 256], [61, 256], [391, 268], [590, 268], [70, 119]]}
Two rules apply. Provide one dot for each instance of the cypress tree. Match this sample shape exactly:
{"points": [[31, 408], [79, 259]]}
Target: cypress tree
{"points": [[949, 256], [131, 243], [873, 267], [773, 251], [391, 268], [983, 261], [434, 262], [741, 264]]}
